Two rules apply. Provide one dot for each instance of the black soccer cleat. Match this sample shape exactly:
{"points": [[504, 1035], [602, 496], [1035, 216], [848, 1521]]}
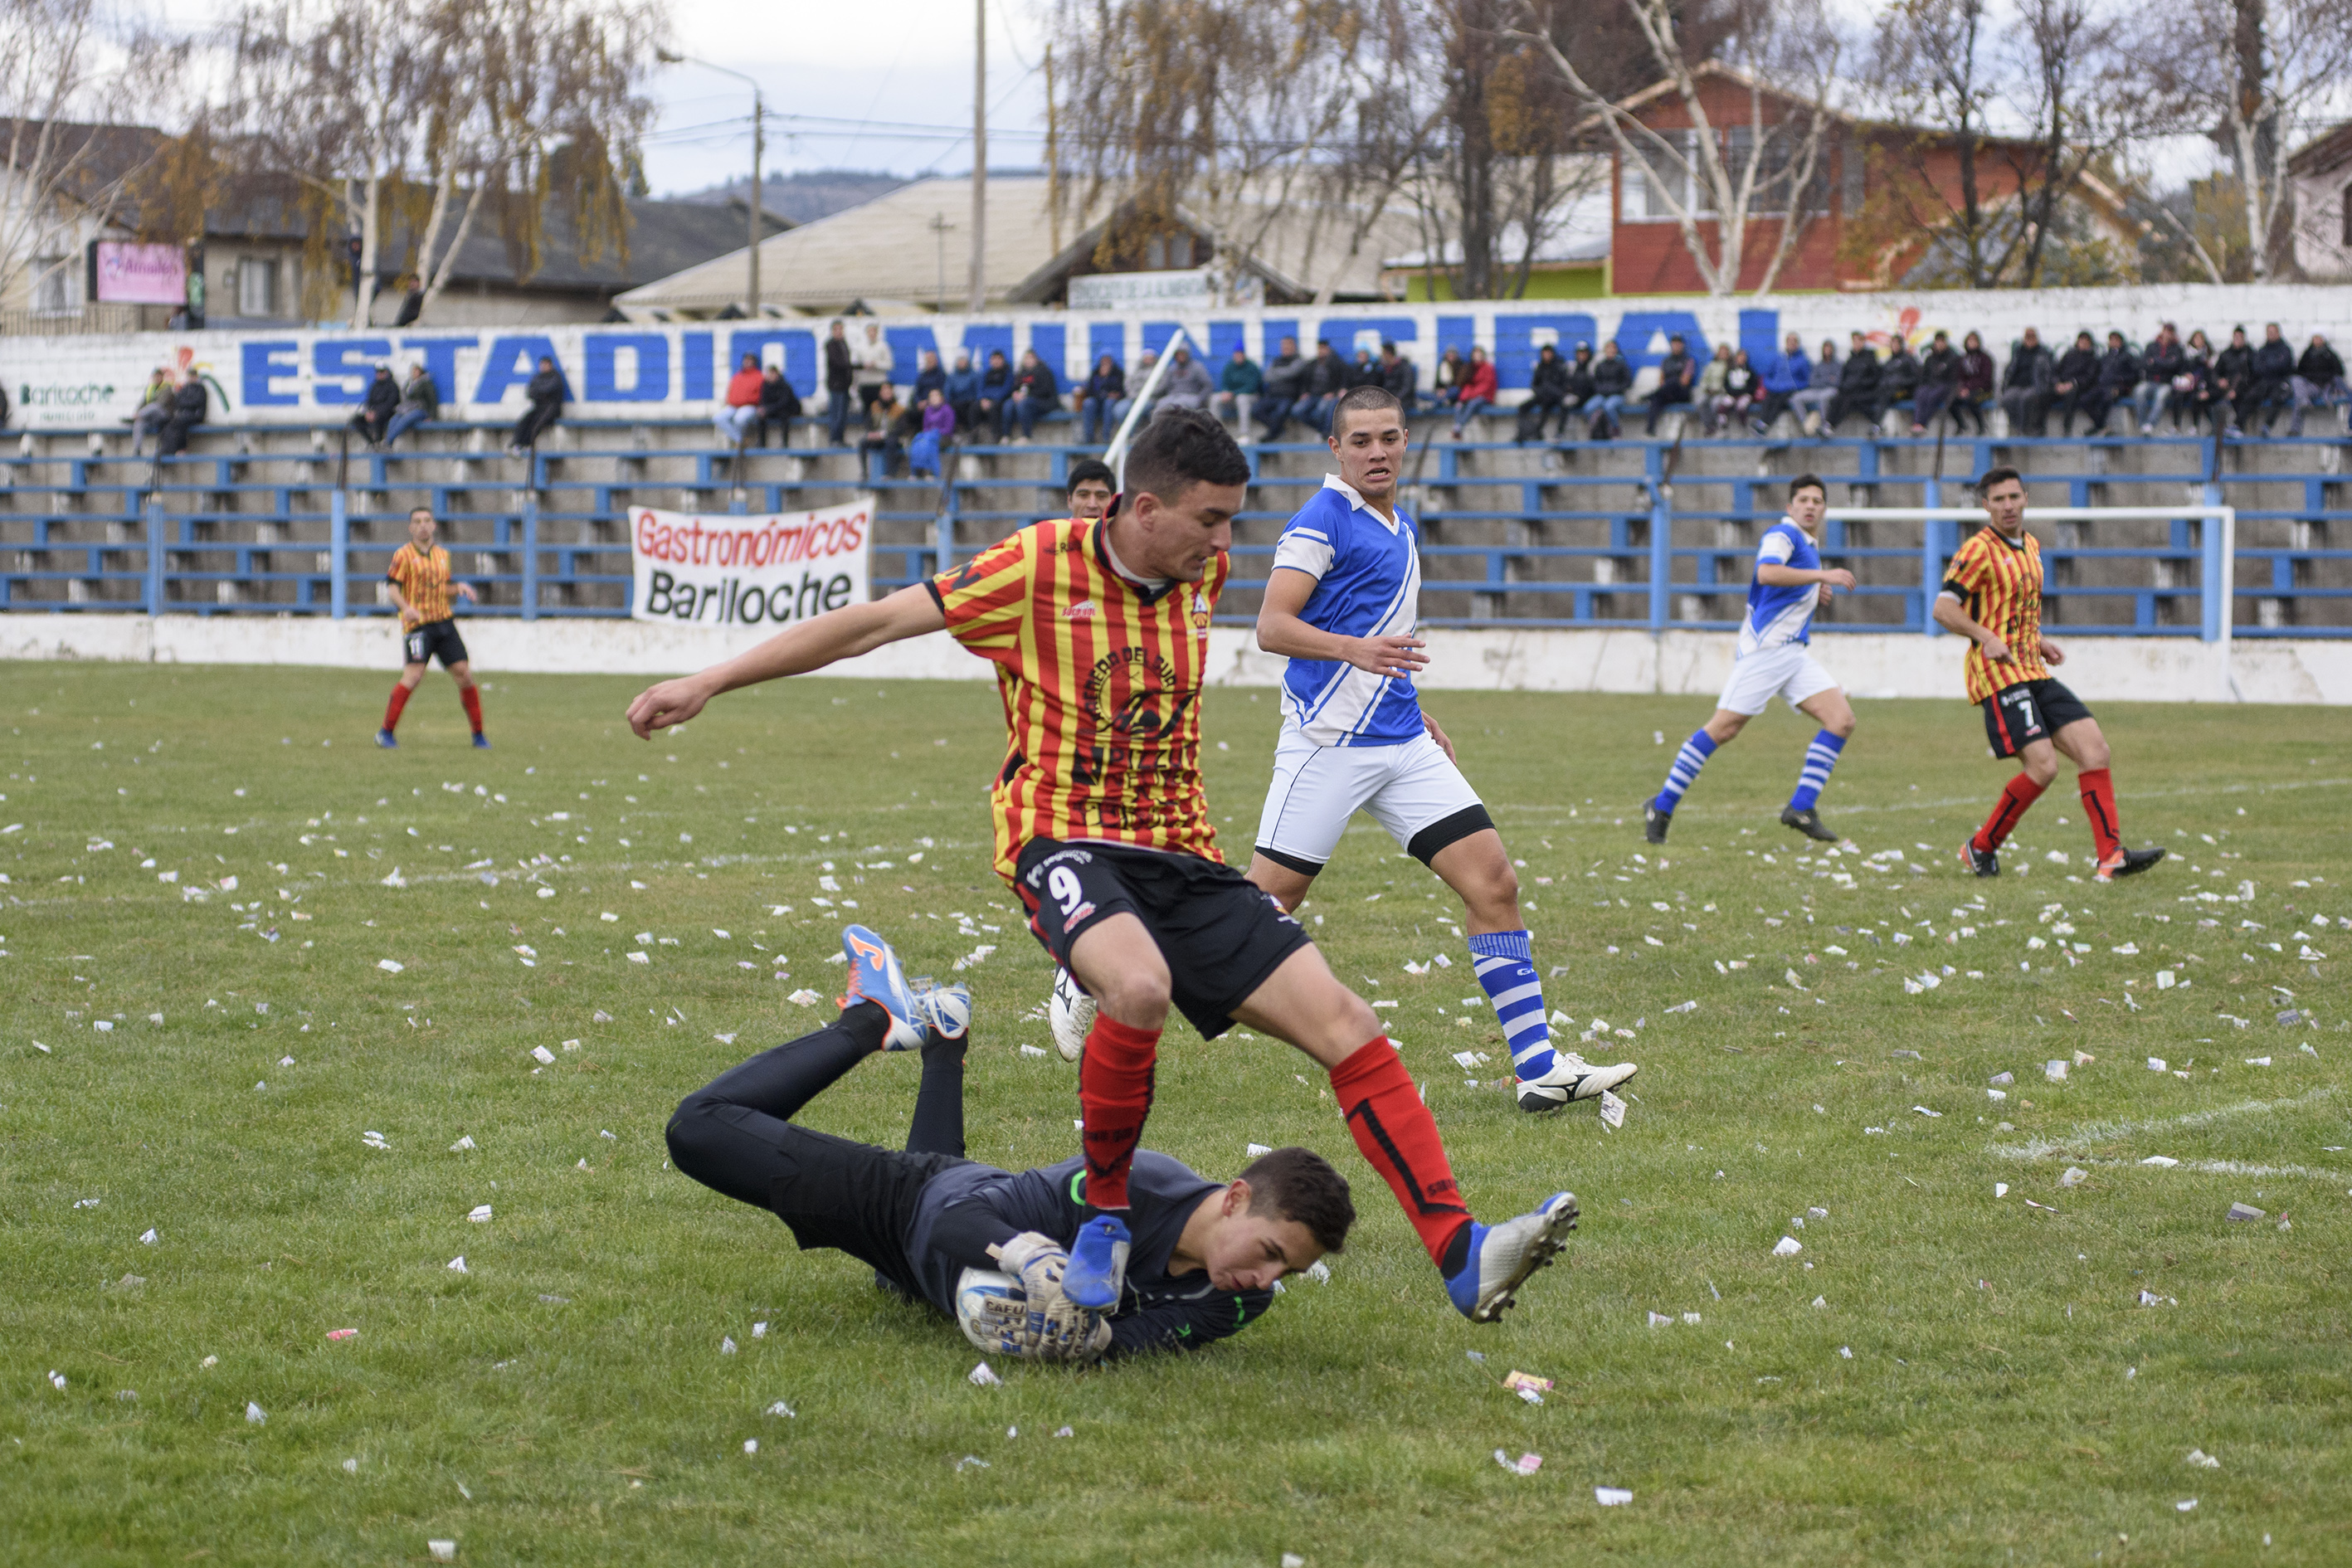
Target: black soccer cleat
{"points": [[1654, 822], [1982, 862], [1807, 822], [2126, 863]]}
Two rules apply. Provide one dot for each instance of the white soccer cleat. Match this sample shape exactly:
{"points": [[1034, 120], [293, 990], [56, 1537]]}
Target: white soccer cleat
{"points": [[1572, 1078], [1071, 1013], [1501, 1256]]}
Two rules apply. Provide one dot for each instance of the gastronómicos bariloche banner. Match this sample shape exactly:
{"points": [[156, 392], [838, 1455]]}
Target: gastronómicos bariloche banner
{"points": [[770, 570]]}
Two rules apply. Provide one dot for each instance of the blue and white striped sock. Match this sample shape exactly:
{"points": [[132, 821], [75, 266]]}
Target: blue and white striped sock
{"points": [[1819, 758], [1506, 965], [1685, 772]]}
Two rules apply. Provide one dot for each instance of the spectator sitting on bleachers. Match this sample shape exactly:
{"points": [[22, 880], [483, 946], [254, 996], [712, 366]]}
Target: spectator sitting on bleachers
{"points": [[1286, 373], [2318, 381], [1857, 384], [1579, 401], [1898, 381], [1238, 385], [1143, 368], [1325, 384], [2233, 380], [2119, 373], [939, 424], [741, 409], [1675, 374], [964, 393], [1939, 377], [929, 376], [1612, 386], [2190, 398], [2162, 362], [1546, 396], [1783, 377], [1975, 389], [1712, 378], [888, 423], [544, 392], [1036, 392], [779, 407], [1186, 384], [374, 417], [1740, 390], [995, 389], [1361, 371], [2025, 385], [1100, 401], [420, 401], [189, 406], [154, 407], [840, 380], [1810, 405], [1400, 377], [2074, 381], [2269, 393], [1445, 382], [1476, 393]]}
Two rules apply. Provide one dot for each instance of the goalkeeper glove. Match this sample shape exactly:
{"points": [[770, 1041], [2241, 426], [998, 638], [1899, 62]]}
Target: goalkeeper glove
{"points": [[1055, 1330]]}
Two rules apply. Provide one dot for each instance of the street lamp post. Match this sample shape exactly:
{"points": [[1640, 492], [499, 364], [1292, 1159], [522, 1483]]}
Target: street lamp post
{"points": [[759, 146]]}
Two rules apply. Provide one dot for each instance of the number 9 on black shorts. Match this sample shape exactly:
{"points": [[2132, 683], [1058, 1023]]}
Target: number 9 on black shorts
{"points": [[1220, 935], [434, 639], [2017, 716]]}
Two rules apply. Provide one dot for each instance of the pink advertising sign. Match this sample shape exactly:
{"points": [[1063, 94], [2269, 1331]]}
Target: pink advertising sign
{"points": [[141, 274]]}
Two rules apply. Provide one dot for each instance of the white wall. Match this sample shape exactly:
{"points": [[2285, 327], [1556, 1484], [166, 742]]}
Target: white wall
{"points": [[1679, 664]]}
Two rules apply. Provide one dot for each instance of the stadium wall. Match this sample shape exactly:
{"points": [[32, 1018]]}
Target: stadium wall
{"points": [[673, 370], [1675, 664]]}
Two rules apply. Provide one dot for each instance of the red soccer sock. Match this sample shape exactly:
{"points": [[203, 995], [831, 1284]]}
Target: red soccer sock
{"points": [[2016, 795], [1394, 1131], [2098, 788], [471, 696], [1114, 1097], [391, 709]]}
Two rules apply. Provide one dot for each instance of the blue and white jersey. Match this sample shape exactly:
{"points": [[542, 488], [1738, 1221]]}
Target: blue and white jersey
{"points": [[1779, 616], [1367, 572]]}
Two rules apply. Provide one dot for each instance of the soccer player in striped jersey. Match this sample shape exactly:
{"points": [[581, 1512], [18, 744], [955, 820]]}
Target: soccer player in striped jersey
{"points": [[1342, 603], [419, 575], [1100, 631], [1992, 596], [1775, 659]]}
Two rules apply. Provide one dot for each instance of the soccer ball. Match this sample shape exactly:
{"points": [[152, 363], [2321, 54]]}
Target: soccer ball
{"points": [[1071, 1012], [990, 1306]]}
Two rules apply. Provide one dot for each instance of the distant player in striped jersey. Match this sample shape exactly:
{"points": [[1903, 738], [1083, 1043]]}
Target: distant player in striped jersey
{"points": [[1776, 660], [1342, 603], [419, 575], [1100, 635], [1992, 596]]}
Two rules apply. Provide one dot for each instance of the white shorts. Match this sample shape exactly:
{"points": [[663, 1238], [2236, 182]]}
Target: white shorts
{"points": [[1412, 790], [1790, 671]]}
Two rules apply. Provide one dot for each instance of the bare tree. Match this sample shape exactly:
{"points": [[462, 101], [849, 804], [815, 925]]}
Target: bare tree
{"points": [[2076, 84], [61, 181], [1938, 63], [2252, 75], [1768, 160]]}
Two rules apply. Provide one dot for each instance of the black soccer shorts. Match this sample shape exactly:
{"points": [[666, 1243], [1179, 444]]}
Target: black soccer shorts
{"points": [[2017, 716], [1220, 935], [435, 637]]}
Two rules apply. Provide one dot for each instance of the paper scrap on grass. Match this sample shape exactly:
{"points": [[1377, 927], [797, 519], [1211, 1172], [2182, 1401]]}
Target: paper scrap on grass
{"points": [[480, 1215], [1787, 1247], [1519, 1380], [804, 997], [442, 1551], [542, 1056], [2242, 1211], [462, 1145], [727, 1344], [983, 1376], [2203, 1461], [457, 1265], [1611, 1497], [389, 966], [341, 1333], [1612, 1109], [2074, 1176], [255, 1413], [1525, 1465], [2165, 1161]]}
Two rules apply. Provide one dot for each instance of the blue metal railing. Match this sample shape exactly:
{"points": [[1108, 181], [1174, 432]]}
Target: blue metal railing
{"points": [[1642, 567]]}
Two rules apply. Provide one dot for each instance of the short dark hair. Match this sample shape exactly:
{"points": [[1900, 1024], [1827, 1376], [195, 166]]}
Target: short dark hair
{"points": [[1357, 397], [1299, 1186], [1181, 447], [414, 510], [1992, 476], [1093, 469], [1808, 482]]}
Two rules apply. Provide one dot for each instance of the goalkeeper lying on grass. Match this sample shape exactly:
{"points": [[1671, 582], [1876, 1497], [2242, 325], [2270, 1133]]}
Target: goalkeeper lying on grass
{"points": [[984, 1246]]}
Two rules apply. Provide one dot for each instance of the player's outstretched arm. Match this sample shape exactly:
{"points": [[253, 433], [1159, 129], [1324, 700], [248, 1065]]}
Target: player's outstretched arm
{"points": [[1953, 619], [1776, 576], [809, 645], [1281, 630]]}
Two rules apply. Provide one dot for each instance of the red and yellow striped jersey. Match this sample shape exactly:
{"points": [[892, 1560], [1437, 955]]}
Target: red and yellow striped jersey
{"points": [[2000, 584], [1101, 682], [422, 579]]}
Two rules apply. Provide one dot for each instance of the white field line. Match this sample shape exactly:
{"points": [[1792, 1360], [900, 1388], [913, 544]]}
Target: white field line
{"points": [[1947, 802], [2108, 1131], [2235, 1168]]}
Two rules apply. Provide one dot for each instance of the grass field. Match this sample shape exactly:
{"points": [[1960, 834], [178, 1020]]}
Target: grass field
{"points": [[1939, 1376]]}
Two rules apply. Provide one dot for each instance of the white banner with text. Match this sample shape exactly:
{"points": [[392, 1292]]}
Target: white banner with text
{"points": [[768, 571]]}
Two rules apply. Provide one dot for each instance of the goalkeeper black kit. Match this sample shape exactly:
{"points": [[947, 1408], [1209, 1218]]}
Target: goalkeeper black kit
{"points": [[921, 1215]]}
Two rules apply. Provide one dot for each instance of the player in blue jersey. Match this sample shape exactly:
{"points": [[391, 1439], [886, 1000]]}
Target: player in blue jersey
{"points": [[1776, 661], [1342, 603]]}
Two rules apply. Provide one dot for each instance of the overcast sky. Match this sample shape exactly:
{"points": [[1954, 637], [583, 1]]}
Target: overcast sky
{"points": [[850, 86]]}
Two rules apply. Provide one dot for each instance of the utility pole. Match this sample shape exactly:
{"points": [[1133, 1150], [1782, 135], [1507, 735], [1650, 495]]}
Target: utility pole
{"points": [[939, 226], [759, 146], [978, 156]]}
